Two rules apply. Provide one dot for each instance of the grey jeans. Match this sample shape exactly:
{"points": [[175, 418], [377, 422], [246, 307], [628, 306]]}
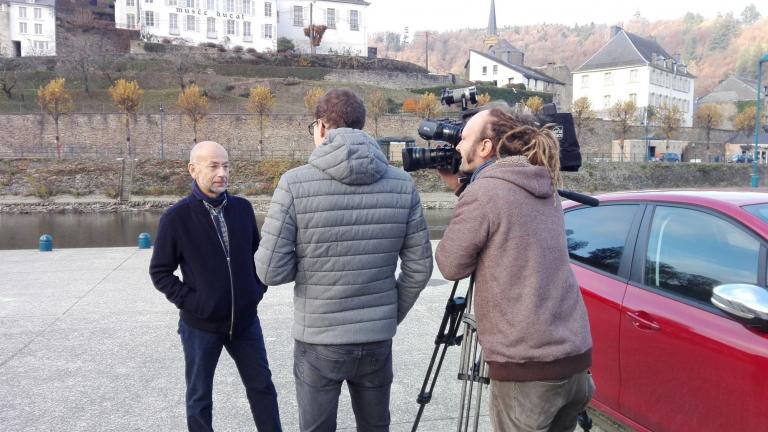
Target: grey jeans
{"points": [[540, 406], [320, 370]]}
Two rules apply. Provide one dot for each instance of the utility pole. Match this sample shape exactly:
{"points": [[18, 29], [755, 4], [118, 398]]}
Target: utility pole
{"points": [[426, 50], [162, 144], [311, 29]]}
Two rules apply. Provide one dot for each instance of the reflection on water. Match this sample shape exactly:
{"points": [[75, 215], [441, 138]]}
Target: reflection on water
{"points": [[74, 230]]}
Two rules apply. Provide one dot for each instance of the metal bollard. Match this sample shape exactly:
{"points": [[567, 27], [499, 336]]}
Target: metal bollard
{"points": [[46, 243], [145, 242]]}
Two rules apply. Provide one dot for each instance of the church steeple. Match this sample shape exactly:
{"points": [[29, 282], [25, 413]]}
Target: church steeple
{"points": [[491, 39], [492, 20]]}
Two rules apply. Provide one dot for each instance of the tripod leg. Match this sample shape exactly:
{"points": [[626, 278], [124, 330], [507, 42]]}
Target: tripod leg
{"points": [[463, 370], [585, 421], [479, 393], [446, 336]]}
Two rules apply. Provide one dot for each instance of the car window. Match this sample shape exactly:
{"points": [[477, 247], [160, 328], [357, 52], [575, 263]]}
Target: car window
{"points": [[596, 235], [690, 252], [759, 210]]}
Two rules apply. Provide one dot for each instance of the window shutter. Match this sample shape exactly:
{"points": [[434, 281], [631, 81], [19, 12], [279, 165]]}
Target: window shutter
{"points": [[197, 24]]}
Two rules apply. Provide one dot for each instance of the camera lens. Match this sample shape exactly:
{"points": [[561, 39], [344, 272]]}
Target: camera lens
{"points": [[440, 131], [416, 158], [449, 133]]}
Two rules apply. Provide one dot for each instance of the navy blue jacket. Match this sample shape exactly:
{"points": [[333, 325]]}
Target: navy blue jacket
{"points": [[207, 297]]}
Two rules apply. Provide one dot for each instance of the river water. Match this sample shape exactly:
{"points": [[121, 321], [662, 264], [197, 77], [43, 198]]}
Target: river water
{"points": [[89, 230]]}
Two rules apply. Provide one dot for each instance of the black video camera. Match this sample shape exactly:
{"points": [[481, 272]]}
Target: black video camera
{"points": [[449, 131]]}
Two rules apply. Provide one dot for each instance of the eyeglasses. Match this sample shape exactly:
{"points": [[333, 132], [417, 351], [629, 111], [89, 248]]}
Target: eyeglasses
{"points": [[311, 128]]}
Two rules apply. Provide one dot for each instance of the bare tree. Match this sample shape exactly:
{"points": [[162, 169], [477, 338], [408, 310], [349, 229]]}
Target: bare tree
{"points": [[708, 117], [8, 76], [583, 116], [182, 66], [623, 114], [377, 107], [670, 119], [89, 54]]}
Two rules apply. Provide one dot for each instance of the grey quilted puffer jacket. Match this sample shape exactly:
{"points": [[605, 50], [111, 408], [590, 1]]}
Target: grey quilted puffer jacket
{"points": [[336, 227]]}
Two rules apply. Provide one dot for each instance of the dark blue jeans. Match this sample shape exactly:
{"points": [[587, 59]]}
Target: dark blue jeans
{"points": [[320, 370], [201, 354]]}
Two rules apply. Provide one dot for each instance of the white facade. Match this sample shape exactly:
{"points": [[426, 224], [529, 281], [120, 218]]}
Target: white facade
{"points": [[645, 85], [630, 67], [249, 23], [31, 28], [482, 68], [346, 21], [245, 23]]}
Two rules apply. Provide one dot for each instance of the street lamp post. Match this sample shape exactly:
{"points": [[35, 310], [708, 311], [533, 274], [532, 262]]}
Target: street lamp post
{"points": [[162, 115], [647, 156], [755, 177]]}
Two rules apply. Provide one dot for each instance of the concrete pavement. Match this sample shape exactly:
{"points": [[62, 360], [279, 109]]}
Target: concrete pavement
{"points": [[89, 345]]}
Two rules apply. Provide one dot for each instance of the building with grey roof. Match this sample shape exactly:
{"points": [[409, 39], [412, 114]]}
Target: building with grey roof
{"points": [[630, 67], [728, 95]]}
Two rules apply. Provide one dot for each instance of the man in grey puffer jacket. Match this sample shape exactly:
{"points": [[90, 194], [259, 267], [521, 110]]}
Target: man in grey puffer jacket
{"points": [[336, 227]]}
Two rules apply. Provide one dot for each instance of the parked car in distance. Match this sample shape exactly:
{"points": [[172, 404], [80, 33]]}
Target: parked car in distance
{"points": [[740, 158], [669, 157], [675, 287]]}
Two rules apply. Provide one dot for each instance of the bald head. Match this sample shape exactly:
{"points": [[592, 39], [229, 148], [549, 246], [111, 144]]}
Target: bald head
{"points": [[209, 166], [205, 149]]}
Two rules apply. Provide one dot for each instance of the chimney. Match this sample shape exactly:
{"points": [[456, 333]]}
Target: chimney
{"points": [[615, 30]]}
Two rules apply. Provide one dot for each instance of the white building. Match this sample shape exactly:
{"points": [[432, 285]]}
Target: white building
{"points": [[27, 28], [245, 23], [486, 67], [249, 23], [346, 21], [630, 67]]}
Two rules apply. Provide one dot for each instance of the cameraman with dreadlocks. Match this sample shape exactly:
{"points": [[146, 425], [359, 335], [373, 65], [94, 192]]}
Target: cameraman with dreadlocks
{"points": [[508, 229]]}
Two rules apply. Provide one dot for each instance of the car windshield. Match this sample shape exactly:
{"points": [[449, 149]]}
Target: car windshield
{"points": [[759, 210]]}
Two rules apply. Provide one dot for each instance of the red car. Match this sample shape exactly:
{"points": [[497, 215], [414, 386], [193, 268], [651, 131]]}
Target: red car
{"points": [[675, 287]]}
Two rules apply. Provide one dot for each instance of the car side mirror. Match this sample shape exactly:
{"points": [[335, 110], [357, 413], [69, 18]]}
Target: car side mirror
{"points": [[745, 302]]}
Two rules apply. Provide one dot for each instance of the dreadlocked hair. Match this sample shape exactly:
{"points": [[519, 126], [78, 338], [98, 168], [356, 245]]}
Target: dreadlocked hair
{"points": [[519, 135]]}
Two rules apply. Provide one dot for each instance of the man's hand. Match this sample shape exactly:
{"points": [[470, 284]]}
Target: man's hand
{"points": [[449, 178]]}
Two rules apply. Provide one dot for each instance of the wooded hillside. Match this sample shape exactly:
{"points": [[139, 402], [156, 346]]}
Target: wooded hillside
{"points": [[713, 48]]}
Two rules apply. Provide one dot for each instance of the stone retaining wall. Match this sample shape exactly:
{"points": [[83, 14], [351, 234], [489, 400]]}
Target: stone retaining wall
{"points": [[285, 135]]}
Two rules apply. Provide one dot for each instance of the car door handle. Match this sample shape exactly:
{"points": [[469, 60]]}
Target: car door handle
{"points": [[643, 321]]}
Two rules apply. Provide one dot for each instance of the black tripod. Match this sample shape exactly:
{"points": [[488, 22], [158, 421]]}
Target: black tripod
{"points": [[472, 367]]}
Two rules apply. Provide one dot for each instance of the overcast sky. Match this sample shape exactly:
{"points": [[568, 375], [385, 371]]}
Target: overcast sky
{"points": [[441, 15]]}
